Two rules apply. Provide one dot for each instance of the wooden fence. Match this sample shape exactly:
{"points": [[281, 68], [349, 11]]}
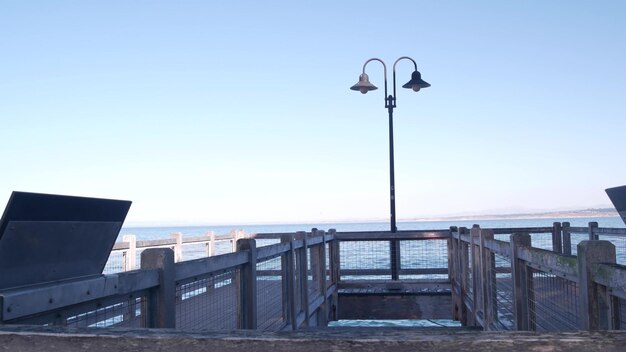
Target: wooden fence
{"points": [[509, 285], [491, 278], [282, 286]]}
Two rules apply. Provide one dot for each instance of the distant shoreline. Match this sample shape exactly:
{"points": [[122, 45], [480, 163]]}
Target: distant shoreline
{"points": [[585, 213]]}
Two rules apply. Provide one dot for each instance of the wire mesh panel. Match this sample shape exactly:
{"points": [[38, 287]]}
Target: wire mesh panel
{"points": [[269, 286], [469, 281], [622, 313], [131, 312], [194, 251], [576, 238], [115, 263], [541, 240], [505, 314], [553, 302], [208, 303], [427, 259], [312, 284], [327, 264], [365, 260], [620, 246]]}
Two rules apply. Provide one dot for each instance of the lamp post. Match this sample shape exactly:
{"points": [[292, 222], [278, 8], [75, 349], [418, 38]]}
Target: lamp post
{"points": [[416, 83]]}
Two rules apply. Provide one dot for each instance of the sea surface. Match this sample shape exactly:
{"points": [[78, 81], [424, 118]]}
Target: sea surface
{"points": [[149, 233]]}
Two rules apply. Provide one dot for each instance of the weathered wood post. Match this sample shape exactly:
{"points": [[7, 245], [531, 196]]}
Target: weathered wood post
{"points": [[302, 275], [178, 247], [395, 260], [567, 239], [593, 235], [247, 307], [130, 255], [557, 244], [454, 273], [465, 274], [488, 274], [521, 282], [318, 270], [477, 294], [288, 283], [161, 300], [594, 307], [210, 246], [333, 248]]}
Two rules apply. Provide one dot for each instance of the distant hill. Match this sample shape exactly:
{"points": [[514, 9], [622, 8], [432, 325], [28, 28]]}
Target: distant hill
{"points": [[581, 213]]}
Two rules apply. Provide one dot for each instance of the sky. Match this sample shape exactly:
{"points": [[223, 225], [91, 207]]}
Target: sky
{"points": [[239, 112]]}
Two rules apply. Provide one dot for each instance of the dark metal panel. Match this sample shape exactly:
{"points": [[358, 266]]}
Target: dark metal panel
{"points": [[33, 252], [618, 197], [46, 237]]}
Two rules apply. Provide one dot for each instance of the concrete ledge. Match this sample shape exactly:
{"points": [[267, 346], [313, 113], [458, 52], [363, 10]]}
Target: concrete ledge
{"points": [[34, 339]]}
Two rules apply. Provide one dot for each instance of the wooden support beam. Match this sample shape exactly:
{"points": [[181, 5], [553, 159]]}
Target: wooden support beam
{"points": [[161, 301], [594, 308], [247, 307], [130, 255], [521, 281]]}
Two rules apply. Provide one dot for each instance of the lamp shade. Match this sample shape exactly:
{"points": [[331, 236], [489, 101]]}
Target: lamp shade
{"points": [[364, 84], [416, 83]]}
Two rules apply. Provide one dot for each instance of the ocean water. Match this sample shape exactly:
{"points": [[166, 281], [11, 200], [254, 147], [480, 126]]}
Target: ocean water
{"points": [[149, 233]]}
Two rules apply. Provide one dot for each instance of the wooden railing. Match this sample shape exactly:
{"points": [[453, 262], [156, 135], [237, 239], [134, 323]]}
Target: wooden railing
{"points": [[282, 286], [509, 285], [493, 278]]}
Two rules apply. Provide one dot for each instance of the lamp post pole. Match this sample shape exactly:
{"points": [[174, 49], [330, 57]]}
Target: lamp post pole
{"points": [[416, 83], [392, 183]]}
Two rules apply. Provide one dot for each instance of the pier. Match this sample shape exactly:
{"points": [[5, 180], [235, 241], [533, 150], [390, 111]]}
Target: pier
{"points": [[558, 279]]}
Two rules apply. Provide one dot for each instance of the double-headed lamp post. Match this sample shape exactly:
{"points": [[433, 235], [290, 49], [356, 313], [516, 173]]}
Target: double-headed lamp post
{"points": [[416, 83]]}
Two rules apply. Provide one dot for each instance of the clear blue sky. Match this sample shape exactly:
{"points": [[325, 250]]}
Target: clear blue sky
{"points": [[239, 111]]}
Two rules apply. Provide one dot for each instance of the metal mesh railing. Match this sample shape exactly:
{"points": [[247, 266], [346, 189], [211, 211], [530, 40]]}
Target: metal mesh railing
{"points": [[115, 263], [505, 313], [365, 255], [208, 302], [622, 313], [127, 313], [424, 259], [312, 285], [553, 302], [269, 286], [620, 246]]}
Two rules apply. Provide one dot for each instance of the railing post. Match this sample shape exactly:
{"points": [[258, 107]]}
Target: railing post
{"points": [[521, 282], [454, 273], [288, 283], [178, 247], [318, 271], [557, 245], [161, 300], [465, 273], [334, 273], [247, 307], [236, 235], [394, 254], [567, 239], [595, 308], [210, 246], [488, 274], [477, 279], [130, 255], [593, 235], [302, 274]]}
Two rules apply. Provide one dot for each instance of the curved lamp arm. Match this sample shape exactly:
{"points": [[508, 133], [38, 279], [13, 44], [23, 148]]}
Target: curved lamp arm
{"points": [[384, 70], [394, 74]]}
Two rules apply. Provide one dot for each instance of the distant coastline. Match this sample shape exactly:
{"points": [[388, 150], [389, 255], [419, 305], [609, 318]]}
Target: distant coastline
{"points": [[581, 213]]}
